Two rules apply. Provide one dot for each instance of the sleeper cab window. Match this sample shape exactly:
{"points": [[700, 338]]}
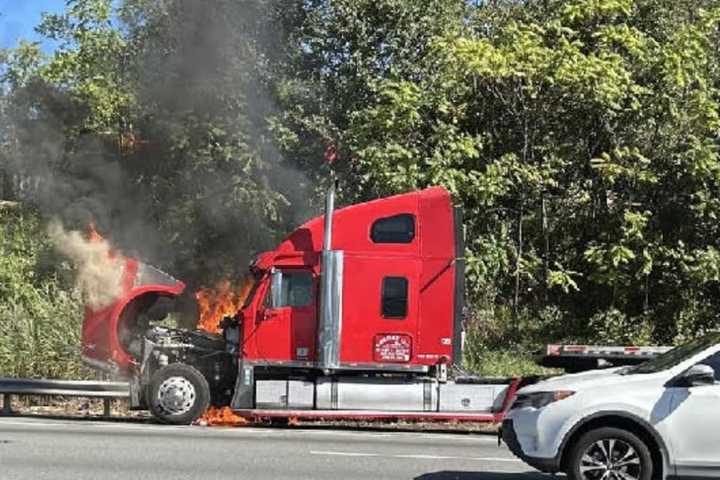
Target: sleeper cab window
{"points": [[394, 297], [395, 229]]}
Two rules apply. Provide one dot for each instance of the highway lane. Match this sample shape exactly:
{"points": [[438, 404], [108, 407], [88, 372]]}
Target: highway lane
{"points": [[32, 448]]}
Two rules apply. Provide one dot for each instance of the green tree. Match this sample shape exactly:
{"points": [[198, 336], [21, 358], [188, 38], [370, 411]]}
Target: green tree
{"points": [[155, 120], [581, 137]]}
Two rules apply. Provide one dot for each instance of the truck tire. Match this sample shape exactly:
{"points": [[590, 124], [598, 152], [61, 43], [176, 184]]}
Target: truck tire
{"points": [[609, 449], [179, 394]]}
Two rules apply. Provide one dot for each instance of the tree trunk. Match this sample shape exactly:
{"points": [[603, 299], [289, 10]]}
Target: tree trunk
{"points": [[518, 258], [546, 244]]}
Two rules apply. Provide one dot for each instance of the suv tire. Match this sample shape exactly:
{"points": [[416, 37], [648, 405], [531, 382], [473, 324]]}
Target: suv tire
{"points": [[178, 394], [609, 449]]}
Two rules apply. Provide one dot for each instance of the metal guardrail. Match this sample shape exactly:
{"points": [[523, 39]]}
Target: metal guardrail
{"points": [[68, 388]]}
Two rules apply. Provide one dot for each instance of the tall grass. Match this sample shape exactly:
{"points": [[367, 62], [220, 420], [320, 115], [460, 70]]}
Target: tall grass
{"points": [[40, 312], [497, 346]]}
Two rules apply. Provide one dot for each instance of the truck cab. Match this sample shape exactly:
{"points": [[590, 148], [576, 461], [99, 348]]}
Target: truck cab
{"points": [[395, 296]]}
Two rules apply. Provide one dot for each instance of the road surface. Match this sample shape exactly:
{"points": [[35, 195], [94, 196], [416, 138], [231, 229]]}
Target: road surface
{"points": [[38, 449]]}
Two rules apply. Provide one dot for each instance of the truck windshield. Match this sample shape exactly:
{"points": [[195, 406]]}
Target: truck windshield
{"points": [[249, 286], [673, 357]]}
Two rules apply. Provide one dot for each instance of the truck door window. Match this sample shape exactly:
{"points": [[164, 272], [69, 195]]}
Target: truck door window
{"points": [[395, 229], [295, 290], [394, 297]]}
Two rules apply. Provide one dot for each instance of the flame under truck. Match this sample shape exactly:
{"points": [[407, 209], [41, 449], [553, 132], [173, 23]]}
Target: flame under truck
{"points": [[356, 314]]}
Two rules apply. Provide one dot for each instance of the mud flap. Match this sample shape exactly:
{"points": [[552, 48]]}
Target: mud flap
{"points": [[137, 394]]}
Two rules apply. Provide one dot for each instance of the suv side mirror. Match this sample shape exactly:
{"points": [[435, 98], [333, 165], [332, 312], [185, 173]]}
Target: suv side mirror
{"points": [[276, 288], [698, 375]]}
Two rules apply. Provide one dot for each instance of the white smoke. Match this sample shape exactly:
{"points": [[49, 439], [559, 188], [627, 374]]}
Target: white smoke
{"points": [[99, 274]]}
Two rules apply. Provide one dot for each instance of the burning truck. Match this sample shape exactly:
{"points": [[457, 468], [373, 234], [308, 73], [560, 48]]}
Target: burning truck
{"points": [[357, 313]]}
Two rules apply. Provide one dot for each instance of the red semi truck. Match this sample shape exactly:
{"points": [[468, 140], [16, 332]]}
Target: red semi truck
{"points": [[357, 313]]}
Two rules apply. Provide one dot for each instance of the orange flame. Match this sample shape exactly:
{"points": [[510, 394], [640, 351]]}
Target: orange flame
{"points": [[222, 417], [216, 303]]}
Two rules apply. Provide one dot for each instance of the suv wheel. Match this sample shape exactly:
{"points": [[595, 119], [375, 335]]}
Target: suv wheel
{"points": [[179, 394], [610, 454]]}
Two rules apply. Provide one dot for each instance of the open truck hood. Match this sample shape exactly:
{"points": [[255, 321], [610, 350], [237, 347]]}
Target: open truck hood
{"points": [[104, 333]]}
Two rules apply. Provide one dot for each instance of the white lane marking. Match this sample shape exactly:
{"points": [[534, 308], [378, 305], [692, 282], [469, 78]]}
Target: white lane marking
{"points": [[446, 457], [414, 456], [345, 454]]}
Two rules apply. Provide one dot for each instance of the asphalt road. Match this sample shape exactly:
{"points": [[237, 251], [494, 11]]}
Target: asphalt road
{"points": [[32, 448]]}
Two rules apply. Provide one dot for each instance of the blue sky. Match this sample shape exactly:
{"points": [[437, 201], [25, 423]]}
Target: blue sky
{"points": [[18, 17]]}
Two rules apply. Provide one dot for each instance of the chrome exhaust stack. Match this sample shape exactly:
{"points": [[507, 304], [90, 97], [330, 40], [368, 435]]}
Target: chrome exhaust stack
{"points": [[330, 321], [329, 211]]}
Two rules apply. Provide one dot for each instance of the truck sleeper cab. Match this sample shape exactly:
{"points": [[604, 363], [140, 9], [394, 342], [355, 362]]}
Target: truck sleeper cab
{"points": [[359, 309], [393, 292]]}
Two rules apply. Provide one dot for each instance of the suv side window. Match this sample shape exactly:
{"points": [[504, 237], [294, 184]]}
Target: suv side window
{"points": [[714, 362]]}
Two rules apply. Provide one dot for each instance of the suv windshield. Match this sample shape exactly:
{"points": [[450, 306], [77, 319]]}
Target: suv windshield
{"points": [[674, 356]]}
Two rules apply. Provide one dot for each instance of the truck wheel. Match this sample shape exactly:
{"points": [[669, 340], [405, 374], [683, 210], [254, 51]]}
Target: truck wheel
{"points": [[179, 394], [610, 453]]}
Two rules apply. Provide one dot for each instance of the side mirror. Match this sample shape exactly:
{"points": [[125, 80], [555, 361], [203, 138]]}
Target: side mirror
{"points": [[276, 288], [698, 375]]}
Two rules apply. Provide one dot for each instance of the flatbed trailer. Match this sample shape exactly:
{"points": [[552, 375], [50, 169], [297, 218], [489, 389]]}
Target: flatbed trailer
{"points": [[578, 358]]}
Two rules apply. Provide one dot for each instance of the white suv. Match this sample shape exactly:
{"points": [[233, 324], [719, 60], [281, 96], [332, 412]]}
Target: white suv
{"points": [[659, 419]]}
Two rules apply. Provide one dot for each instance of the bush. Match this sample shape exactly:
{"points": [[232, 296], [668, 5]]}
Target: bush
{"points": [[498, 345], [612, 327], [504, 363], [40, 315], [695, 319]]}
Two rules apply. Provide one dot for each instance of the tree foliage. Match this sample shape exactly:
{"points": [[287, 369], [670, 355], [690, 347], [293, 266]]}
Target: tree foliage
{"points": [[581, 138]]}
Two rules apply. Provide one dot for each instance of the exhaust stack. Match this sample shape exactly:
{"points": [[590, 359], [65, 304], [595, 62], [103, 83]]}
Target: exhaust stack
{"points": [[330, 321], [329, 211]]}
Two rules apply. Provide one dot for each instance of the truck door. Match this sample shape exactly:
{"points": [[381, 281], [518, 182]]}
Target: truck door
{"points": [[380, 309], [694, 422], [288, 318]]}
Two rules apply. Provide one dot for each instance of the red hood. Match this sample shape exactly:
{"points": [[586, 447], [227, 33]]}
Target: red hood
{"points": [[102, 347]]}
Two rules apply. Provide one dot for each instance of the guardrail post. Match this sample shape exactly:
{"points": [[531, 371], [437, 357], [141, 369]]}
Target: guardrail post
{"points": [[7, 404], [106, 407]]}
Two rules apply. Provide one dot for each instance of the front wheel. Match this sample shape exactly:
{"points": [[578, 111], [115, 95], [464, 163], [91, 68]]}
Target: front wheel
{"points": [[610, 454], [179, 394]]}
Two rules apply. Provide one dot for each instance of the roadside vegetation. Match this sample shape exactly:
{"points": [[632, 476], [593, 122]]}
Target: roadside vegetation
{"points": [[580, 136], [40, 314]]}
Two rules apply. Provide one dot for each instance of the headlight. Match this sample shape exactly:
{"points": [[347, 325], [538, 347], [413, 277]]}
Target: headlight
{"points": [[540, 399]]}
